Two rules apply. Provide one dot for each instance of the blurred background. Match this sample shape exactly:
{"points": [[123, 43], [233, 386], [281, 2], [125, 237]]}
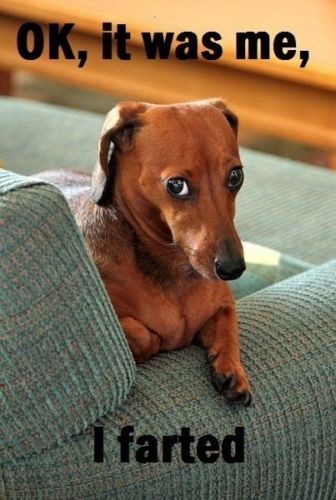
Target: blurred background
{"points": [[284, 109]]}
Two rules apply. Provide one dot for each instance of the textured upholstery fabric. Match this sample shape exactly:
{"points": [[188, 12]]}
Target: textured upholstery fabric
{"points": [[35, 137], [289, 207], [264, 267], [64, 360], [288, 346], [284, 205]]}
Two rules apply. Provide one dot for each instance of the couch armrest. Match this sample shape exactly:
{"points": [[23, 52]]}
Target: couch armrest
{"points": [[64, 360]]}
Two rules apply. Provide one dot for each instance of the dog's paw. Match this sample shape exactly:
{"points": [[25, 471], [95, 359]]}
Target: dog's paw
{"points": [[232, 383]]}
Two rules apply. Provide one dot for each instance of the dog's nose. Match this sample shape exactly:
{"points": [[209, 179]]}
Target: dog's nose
{"points": [[229, 270]]}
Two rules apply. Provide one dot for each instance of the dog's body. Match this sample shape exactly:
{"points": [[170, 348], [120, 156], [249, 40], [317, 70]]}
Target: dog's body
{"points": [[159, 225]]}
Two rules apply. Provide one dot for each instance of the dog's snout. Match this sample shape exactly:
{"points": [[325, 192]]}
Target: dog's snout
{"points": [[228, 269]]}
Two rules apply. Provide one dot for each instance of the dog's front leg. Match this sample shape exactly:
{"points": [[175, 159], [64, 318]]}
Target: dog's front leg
{"points": [[143, 342], [220, 338]]}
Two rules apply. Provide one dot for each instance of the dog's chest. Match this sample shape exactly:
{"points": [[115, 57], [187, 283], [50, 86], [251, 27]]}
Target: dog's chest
{"points": [[175, 317], [171, 319], [175, 314]]}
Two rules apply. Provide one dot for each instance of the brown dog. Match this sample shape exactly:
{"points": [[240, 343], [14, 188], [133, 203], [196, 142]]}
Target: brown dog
{"points": [[159, 225]]}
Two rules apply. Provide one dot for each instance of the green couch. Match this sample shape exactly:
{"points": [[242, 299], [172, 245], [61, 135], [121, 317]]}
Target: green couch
{"points": [[65, 366]]}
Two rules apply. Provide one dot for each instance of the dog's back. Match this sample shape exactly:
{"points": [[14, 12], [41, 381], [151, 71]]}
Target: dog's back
{"points": [[74, 185]]}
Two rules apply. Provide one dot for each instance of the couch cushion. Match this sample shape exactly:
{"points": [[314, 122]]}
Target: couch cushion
{"points": [[64, 360], [288, 348], [288, 206], [264, 267], [36, 136]]}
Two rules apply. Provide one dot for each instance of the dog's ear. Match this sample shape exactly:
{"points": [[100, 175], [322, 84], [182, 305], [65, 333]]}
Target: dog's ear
{"points": [[116, 136], [229, 115]]}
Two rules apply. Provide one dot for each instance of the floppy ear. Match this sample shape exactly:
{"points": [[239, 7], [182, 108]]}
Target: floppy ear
{"points": [[117, 135], [229, 115]]}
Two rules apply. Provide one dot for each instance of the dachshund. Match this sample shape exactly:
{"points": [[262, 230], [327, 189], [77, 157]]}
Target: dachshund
{"points": [[158, 220]]}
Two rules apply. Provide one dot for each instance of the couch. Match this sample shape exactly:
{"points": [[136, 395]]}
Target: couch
{"points": [[65, 366]]}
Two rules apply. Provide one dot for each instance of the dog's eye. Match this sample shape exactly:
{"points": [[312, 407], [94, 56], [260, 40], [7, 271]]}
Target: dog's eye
{"points": [[177, 186], [236, 178]]}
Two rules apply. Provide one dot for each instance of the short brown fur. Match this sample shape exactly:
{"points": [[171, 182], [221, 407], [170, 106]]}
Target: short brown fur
{"points": [[156, 253]]}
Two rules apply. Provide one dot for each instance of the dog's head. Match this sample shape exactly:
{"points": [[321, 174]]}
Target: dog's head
{"points": [[175, 169]]}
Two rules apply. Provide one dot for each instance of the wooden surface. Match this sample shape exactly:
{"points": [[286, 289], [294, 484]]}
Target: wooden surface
{"points": [[5, 82], [273, 96]]}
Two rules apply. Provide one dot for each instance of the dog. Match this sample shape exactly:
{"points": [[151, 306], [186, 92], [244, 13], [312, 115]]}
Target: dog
{"points": [[158, 220]]}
